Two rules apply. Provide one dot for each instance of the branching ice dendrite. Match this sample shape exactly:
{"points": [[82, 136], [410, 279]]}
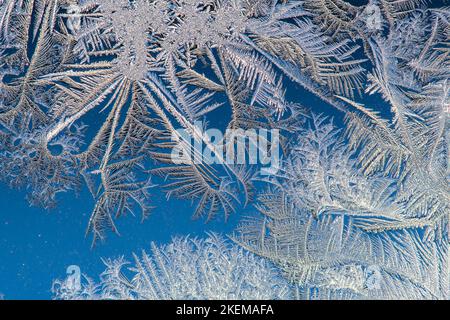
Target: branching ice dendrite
{"points": [[187, 268]]}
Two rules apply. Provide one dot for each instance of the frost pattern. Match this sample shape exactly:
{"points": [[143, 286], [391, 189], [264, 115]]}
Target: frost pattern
{"points": [[328, 227], [147, 68], [372, 198], [377, 197], [185, 269]]}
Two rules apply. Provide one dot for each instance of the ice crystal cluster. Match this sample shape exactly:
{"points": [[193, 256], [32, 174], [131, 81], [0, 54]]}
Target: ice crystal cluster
{"points": [[187, 268], [357, 210], [339, 235]]}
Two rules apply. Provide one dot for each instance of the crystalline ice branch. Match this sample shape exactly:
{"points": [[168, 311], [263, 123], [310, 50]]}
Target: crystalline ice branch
{"points": [[332, 230], [187, 268]]}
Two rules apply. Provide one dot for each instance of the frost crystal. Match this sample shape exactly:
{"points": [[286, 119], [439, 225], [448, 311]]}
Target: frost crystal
{"points": [[185, 269], [361, 213], [357, 213], [139, 67], [337, 234]]}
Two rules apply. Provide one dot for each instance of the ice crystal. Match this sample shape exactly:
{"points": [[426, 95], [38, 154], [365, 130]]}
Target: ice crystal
{"points": [[147, 68], [139, 62], [340, 235], [357, 213], [187, 268]]}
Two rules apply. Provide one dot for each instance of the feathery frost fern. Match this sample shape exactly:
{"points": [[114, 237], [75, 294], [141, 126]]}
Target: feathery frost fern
{"points": [[187, 268]]}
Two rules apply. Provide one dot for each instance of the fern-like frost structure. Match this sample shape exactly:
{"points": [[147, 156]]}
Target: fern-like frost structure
{"points": [[187, 268]]}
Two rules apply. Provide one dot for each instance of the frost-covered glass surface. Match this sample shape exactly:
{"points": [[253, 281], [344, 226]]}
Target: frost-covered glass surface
{"points": [[336, 184]]}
